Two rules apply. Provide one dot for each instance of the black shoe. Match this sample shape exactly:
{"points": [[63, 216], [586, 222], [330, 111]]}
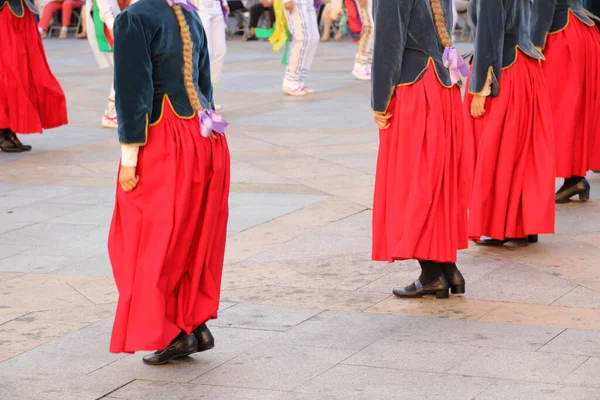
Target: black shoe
{"points": [[206, 341], [454, 277], [182, 347], [581, 188], [521, 242], [439, 287]]}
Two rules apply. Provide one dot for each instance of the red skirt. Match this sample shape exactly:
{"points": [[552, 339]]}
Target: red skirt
{"points": [[572, 69], [513, 189], [31, 98], [424, 170], [167, 237]]}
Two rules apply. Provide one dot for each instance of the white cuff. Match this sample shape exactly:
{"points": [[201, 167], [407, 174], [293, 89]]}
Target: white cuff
{"points": [[129, 155]]}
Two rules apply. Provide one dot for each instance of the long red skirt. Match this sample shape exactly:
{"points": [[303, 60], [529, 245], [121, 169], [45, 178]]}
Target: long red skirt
{"points": [[424, 170], [513, 189], [572, 69], [167, 238], [31, 98]]}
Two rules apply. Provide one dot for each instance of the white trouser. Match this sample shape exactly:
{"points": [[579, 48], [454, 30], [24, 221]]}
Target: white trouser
{"points": [[214, 26], [110, 112], [303, 27], [364, 55]]}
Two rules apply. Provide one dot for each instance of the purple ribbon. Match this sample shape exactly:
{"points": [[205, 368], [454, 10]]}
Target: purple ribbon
{"points": [[455, 64], [210, 121], [187, 4]]}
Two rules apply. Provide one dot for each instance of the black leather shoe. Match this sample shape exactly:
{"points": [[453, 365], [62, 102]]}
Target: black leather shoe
{"points": [[206, 341], [521, 242], [438, 287], [180, 348], [455, 280], [582, 188]]}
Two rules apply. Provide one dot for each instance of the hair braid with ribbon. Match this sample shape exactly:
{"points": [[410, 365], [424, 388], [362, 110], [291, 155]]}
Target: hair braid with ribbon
{"points": [[210, 121], [451, 59]]}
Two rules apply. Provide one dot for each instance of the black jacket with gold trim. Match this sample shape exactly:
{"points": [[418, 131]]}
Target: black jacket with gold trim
{"points": [[501, 27], [18, 6], [552, 16], [406, 41]]}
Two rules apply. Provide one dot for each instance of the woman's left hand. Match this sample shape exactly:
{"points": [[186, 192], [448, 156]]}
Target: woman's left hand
{"points": [[128, 178], [383, 120], [478, 106]]}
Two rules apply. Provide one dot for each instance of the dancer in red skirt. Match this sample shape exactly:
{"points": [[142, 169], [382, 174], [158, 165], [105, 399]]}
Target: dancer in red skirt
{"points": [[424, 166], [570, 40], [167, 238], [511, 120], [31, 98]]}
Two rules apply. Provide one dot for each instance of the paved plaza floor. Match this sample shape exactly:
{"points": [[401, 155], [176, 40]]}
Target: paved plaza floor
{"points": [[305, 315]]}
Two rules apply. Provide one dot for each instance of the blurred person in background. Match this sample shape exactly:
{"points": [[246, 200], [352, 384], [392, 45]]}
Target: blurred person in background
{"points": [[66, 7]]}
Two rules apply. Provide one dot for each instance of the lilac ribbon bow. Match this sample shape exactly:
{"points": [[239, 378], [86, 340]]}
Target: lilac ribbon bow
{"points": [[210, 121], [455, 64], [187, 4]]}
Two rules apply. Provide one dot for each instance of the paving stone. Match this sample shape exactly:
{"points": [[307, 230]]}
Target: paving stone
{"points": [[247, 316], [43, 211], [98, 265], [76, 354], [39, 264], [580, 297], [8, 226], [586, 375], [395, 353], [36, 387], [45, 233], [327, 299], [91, 215], [510, 390], [381, 383], [99, 290], [229, 343], [274, 367], [519, 365], [572, 341], [143, 390], [543, 315], [87, 196]]}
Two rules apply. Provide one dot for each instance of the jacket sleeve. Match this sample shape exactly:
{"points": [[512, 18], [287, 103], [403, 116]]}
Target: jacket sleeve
{"points": [[391, 28], [204, 77], [134, 87], [489, 43], [542, 15]]}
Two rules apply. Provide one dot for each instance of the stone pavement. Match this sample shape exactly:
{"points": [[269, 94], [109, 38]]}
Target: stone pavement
{"points": [[305, 313]]}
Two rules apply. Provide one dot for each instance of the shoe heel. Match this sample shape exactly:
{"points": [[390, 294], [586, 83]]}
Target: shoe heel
{"points": [[442, 294], [585, 195], [458, 289], [533, 238]]}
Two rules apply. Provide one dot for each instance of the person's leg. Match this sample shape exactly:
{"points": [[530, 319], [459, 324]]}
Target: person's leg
{"points": [[256, 11], [327, 23], [292, 83], [82, 34], [364, 53], [110, 113], [219, 47], [50, 9], [312, 36]]}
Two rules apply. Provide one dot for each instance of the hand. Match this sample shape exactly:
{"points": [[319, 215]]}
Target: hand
{"points": [[289, 6], [128, 178], [478, 106], [383, 120], [227, 10], [363, 3]]}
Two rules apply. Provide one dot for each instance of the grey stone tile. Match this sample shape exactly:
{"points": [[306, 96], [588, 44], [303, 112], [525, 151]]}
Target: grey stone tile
{"points": [[76, 354], [33, 263], [250, 316], [586, 375], [521, 284], [90, 215], [43, 211], [143, 390], [340, 330], [87, 196], [572, 341], [45, 232], [510, 390], [8, 226], [32, 193], [580, 298], [98, 265], [381, 383], [36, 387], [229, 343], [397, 353], [274, 367], [519, 365]]}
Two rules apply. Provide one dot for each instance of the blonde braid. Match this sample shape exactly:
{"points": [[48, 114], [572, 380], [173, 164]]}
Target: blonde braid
{"points": [[188, 76], [440, 23]]}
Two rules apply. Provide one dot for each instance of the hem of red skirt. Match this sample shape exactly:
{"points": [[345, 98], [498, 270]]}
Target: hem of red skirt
{"points": [[393, 259], [478, 238]]}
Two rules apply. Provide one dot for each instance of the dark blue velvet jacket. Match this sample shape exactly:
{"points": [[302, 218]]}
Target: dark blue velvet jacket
{"points": [[501, 27], [18, 6], [551, 16], [148, 55], [406, 41]]}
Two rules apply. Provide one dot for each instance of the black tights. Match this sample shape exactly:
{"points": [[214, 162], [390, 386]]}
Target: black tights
{"points": [[431, 270]]}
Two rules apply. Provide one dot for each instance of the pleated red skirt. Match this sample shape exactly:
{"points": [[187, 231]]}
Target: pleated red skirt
{"points": [[31, 98], [513, 189], [572, 69], [424, 170], [167, 237]]}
